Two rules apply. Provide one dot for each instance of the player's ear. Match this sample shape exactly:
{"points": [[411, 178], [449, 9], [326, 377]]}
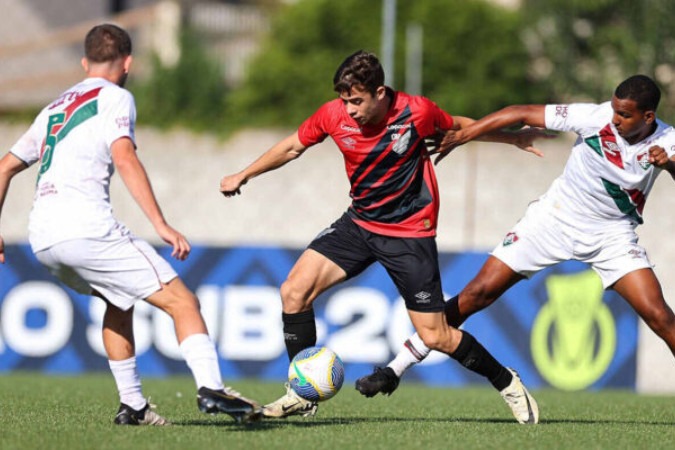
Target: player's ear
{"points": [[649, 117], [127, 63], [85, 64], [381, 92]]}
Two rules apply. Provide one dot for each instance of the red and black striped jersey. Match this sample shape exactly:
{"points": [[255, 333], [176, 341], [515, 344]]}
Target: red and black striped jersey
{"points": [[393, 184]]}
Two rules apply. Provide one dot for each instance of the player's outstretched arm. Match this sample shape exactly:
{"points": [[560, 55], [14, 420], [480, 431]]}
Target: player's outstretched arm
{"points": [[489, 128], [282, 152], [10, 165], [137, 182]]}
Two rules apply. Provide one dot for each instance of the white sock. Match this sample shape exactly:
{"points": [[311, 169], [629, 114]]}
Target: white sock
{"points": [[413, 351], [128, 382], [200, 355]]}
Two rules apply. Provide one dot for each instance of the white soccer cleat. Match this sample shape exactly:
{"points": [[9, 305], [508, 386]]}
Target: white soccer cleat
{"points": [[126, 415], [522, 404], [290, 404]]}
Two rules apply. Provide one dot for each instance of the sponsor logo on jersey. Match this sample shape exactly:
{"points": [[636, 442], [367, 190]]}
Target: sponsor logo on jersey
{"points": [[350, 128], [349, 142], [510, 238], [605, 144], [404, 126], [561, 110]]}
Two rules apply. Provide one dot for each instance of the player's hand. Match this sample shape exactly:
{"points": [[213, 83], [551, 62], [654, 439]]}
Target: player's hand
{"points": [[231, 185], [524, 139], [658, 156], [181, 247], [451, 140], [2, 251]]}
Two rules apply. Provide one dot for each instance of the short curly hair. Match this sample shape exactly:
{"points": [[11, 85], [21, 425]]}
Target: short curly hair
{"points": [[359, 69]]}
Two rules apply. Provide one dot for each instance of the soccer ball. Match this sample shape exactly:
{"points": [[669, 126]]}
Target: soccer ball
{"points": [[316, 374]]}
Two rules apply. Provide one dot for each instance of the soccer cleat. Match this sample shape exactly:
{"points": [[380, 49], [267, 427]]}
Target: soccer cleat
{"points": [[382, 380], [127, 415], [228, 401], [290, 404], [522, 404]]}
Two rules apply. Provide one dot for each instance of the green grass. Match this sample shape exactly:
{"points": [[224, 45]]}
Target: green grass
{"points": [[44, 412]]}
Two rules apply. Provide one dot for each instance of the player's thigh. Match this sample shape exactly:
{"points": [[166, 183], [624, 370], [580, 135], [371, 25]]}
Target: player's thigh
{"points": [[493, 279], [642, 290], [311, 275], [412, 265]]}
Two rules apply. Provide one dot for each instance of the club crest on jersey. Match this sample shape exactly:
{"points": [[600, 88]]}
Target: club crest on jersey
{"points": [[401, 142], [510, 238], [643, 160]]}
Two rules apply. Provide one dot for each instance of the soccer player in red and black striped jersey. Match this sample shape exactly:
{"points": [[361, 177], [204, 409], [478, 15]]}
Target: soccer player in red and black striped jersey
{"points": [[392, 219]]}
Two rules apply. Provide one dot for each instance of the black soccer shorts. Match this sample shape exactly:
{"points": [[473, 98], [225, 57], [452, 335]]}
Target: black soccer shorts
{"points": [[412, 263]]}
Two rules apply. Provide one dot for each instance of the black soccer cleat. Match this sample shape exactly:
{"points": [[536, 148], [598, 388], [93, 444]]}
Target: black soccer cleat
{"points": [[127, 415], [382, 380], [230, 402]]}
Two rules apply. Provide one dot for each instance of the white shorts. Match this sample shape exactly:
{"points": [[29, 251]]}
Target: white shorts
{"points": [[120, 266], [541, 239]]}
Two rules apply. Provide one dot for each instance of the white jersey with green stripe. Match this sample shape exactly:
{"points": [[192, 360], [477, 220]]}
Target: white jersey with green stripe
{"points": [[605, 178], [71, 139]]}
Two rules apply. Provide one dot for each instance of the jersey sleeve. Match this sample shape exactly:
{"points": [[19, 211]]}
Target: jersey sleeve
{"points": [[580, 118], [118, 115], [444, 121], [28, 147], [316, 127]]}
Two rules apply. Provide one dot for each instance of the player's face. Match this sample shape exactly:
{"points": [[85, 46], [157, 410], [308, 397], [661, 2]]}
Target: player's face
{"points": [[364, 107], [630, 122]]}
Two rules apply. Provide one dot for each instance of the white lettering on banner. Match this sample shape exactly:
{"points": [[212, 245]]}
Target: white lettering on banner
{"points": [[362, 340], [43, 341], [252, 328]]}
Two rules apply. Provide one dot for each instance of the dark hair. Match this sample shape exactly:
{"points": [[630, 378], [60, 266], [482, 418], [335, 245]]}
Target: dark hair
{"points": [[642, 89], [359, 69], [106, 42]]}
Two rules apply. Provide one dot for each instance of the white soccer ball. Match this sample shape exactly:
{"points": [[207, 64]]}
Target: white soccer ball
{"points": [[316, 373]]}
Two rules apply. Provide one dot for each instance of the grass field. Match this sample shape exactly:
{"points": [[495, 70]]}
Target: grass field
{"points": [[43, 412]]}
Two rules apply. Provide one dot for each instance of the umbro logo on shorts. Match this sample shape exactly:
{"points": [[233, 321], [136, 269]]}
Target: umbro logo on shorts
{"points": [[423, 297]]}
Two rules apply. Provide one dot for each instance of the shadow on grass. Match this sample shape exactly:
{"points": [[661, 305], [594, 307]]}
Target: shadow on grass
{"points": [[269, 424]]}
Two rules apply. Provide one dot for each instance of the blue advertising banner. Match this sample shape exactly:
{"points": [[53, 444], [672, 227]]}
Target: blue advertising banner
{"points": [[558, 329]]}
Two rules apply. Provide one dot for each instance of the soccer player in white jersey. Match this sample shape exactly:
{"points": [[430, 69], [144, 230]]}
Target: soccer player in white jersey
{"points": [[78, 140], [588, 214]]}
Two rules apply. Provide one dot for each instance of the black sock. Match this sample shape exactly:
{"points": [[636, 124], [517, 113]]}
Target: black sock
{"points": [[299, 331], [452, 315], [472, 355]]}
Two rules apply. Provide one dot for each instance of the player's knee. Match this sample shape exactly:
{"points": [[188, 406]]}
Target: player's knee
{"points": [[661, 320], [475, 296], [293, 297]]}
